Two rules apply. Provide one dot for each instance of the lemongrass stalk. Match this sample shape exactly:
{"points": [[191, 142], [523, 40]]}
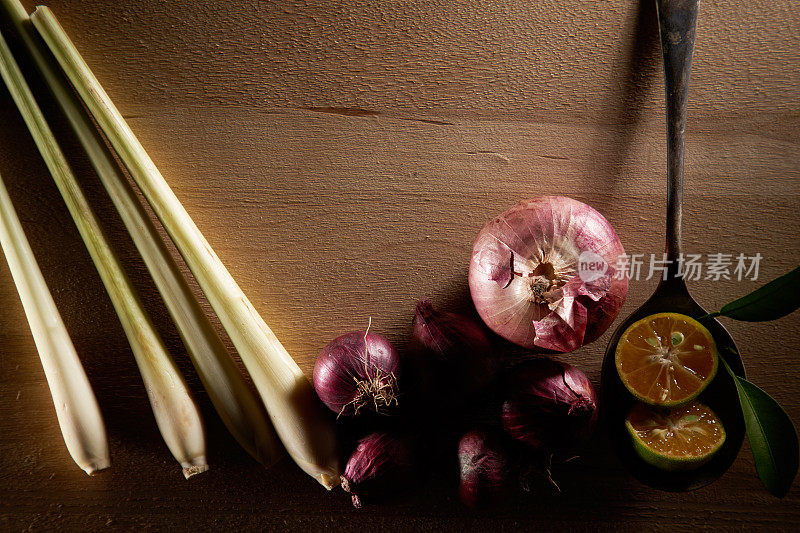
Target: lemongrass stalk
{"points": [[76, 406], [176, 413], [238, 406], [306, 429]]}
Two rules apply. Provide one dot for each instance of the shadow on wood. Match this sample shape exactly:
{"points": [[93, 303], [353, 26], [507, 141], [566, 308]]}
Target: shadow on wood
{"points": [[623, 110]]}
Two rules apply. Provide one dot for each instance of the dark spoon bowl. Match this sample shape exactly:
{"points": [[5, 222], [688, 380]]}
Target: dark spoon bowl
{"points": [[720, 396]]}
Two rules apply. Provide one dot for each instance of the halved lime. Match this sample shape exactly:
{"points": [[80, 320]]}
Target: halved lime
{"points": [[666, 359], [683, 438]]}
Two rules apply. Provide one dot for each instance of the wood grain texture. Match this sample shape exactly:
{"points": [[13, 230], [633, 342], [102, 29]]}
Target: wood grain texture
{"points": [[340, 157]]}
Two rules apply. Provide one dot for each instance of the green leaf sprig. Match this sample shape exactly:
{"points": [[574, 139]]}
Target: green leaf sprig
{"points": [[772, 435], [774, 300]]}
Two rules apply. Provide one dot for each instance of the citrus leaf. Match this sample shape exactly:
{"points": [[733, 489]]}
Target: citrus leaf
{"points": [[772, 436], [777, 298]]}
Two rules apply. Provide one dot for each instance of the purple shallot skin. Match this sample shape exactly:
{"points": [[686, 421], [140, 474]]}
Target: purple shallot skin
{"points": [[484, 466], [357, 373], [551, 406], [455, 352], [382, 465]]}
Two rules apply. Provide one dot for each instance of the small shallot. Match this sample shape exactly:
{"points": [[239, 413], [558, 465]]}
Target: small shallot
{"points": [[381, 465], [357, 373], [551, 406], [485, 467], [455, 352]]}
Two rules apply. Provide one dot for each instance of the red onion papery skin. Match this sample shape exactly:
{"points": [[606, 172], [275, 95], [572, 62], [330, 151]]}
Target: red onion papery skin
{"points": [[456, 355], [357, 373], [485, 467], [524, 278], [551, 406], [381, 465]]}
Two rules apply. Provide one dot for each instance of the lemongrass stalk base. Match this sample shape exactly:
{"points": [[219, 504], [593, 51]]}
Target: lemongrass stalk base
{"points": [[96, 465], [197, 467], [303, 424], [75, 404], [238, 406], [76, 407], [176, 413]]}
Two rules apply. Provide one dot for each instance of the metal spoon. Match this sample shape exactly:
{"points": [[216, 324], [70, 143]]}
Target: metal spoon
{"points": [[677, 20]]}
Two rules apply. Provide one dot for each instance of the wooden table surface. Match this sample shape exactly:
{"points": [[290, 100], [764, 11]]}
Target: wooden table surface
{"points": [[340, 157]]}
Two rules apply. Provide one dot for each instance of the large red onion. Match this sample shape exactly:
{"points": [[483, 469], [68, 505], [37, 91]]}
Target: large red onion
{"points": [[543, 274], [356, 373], [551, 406]]}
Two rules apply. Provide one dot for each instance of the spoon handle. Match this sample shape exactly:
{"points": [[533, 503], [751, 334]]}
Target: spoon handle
{"points": [[677, 20]]}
